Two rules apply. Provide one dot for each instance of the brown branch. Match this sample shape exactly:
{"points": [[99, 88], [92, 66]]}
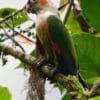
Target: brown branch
{"points": [[62, 6], [13, 40], [17, 33], [69, 82], [83, 23], [68, 11], [74, 88], [95, 90]]}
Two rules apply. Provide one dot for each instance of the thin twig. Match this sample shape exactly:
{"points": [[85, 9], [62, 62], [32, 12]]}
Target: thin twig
{"points": [[68, 11], [17, 33], [2, 40], [62, 6], [12, 39], [78, 14], [83, 23], [11, 15]]}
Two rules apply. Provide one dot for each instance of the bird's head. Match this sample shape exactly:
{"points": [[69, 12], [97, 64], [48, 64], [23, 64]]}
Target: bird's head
{"points": [[33, 6], [36, 5]]}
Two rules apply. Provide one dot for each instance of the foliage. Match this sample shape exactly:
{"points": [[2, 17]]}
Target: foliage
{"points": [[4, 93], [90, 10], [87, 44], [65, 97], [88, 49], [6, 11], [75, 27], [15, 20], [95, 98]]}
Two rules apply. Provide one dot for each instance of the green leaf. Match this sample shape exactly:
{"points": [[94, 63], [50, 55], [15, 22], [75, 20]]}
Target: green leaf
{"points": [[65, 97], [34, 53], [72, 24], [6, 11], [16, 20], [88, 50], [4, 93], [21, 65], [91, 12], [95, 98], [60, 87]]}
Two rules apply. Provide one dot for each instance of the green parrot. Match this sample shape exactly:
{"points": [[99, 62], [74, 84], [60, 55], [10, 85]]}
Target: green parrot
{"points": [[53, 40]]}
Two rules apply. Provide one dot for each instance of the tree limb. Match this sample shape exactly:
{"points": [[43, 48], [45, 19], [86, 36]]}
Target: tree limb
{"points": [[83, 23], [62, 6], [95, 90], [13, 40], [71, 83], [68, 11]]}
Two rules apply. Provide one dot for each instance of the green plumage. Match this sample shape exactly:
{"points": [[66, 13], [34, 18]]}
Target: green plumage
{"points": [[58, 45], [53, 39], [63, 39], [61, 36]]}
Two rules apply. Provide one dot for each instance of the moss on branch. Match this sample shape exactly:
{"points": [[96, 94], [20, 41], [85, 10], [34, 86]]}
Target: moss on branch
{"points": [[71, 83]]}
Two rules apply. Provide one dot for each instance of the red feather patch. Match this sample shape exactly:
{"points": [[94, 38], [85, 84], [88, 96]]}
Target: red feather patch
{"points": [[54, 45], [39, 46], [43, 2]]}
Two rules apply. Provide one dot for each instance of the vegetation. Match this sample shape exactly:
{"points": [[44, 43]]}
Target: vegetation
{"points": [[82, 20]]}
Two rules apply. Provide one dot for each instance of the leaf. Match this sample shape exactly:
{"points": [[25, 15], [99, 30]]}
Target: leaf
{"points": [[34, 53], [6, 11], [60, 86], [95, 98], [72, 24], [91, 12], [88, 51], [4, 93], [16, 20], [21, 65], [65, 97]]}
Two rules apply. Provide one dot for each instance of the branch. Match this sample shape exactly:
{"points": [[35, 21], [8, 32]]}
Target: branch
{"points": [[95, 90], [19, 34], [83, 23], [68, 11], [62, 6], [17, 44], [71, 83]]}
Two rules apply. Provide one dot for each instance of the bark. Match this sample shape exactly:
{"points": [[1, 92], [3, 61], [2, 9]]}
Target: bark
{"points": [[74, 88]]}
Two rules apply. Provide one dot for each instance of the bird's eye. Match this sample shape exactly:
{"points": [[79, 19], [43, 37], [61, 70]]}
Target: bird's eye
{"points": [[31, 1], [34, 1]]}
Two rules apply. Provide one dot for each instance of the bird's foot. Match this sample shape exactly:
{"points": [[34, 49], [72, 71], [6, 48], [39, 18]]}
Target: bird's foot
{"points": [[52, 68]]}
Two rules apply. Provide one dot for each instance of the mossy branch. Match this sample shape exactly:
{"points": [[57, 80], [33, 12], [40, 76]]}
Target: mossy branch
{"points": [[71, 83]]}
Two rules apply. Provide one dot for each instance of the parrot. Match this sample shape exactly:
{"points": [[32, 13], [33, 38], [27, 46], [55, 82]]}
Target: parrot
{"points": [[53, 40]]}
